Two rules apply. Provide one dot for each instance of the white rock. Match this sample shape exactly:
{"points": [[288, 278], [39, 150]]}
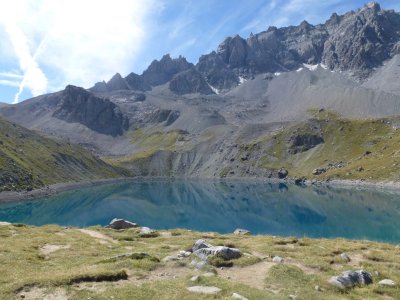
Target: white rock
{"points": [[277, 259], [210, 290], [238, 296], [4, 223], [241, 231], [292, 297], [208, 274], [195, 278], [387, 282], [345, 257]]}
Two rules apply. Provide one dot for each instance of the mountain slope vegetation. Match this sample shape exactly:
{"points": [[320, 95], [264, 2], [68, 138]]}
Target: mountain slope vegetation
{"points": [[28, 160]]}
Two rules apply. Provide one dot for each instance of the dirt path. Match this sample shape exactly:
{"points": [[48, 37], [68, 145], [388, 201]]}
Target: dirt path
{"points": [[102, 238]]}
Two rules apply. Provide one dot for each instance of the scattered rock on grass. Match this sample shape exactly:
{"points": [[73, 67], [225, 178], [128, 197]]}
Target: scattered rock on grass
{"points": [[147, 232], [210, 290], [278, 260], [345, 257], [241, 231], [121, 224], [387, 282], [282, 173], [238, 296], [202, 250], [350, 279]]}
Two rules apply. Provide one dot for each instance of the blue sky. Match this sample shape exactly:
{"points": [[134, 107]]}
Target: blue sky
{"points": [[48, 44]]}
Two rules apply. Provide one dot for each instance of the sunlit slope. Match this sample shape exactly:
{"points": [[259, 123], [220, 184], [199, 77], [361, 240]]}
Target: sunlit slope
{"points": [[28, 160]]}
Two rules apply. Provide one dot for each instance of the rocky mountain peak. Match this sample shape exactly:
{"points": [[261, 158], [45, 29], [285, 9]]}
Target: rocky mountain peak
{"points": [[78, 105], [117, 83], [160, 72], [374, 6]]}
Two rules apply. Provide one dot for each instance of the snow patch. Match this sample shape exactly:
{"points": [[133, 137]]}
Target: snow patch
{"points": [[325, 67], [277, 74], [311, 67], [242, 80], [299, 70], [215, 90]]}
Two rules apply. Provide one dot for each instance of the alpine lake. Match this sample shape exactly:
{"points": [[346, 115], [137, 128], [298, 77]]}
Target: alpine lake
{"points": [[222, 206]]}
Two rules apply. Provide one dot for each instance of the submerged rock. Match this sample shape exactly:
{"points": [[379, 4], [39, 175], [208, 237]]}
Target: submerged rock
{"points": [[350, 279], [121, 224]]}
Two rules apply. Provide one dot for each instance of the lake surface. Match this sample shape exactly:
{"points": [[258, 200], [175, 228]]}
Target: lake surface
{"points": [[222, 206]]}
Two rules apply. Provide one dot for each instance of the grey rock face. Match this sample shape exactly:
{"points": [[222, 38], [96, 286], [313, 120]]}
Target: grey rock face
{"points": [[136, 82], [188, 82], [117, 83], [101, 115], [356, 42], [351, 279], [217, 73], [303, 142], [121, 224], [160, 72]]}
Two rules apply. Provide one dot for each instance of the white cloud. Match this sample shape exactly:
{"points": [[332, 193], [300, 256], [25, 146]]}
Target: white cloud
{"points": [[74, 41]]}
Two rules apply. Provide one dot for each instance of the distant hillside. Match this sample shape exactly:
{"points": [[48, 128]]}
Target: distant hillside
{"points": [[28, 160]]}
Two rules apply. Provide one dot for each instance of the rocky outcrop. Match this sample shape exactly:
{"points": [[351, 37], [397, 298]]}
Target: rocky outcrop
{"points": [[356, 42], [121, 224], [350, 279], [160, 72], [101, 115], [303, 142], [189, 82], [203, 250], [136, 82]]}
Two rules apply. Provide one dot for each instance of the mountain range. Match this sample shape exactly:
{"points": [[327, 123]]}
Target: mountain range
{"points": [[250, 108]]}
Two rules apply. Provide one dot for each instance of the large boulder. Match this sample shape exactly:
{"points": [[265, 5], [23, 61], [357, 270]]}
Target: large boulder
{"points": [[121, 224], [350, 279], [203, 250]]}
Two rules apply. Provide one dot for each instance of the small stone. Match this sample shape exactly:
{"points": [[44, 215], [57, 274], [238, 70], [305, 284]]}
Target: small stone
{"points": [[292, 297], [22, 296], [210, 290], [208, 274], [195, 278], [387, 282], [147, 232], [238, 296], [317, 288], [241, 231], [345, 257], [278, 260]]}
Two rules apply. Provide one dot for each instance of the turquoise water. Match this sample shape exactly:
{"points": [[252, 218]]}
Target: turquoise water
{"points": [[260, 207]]}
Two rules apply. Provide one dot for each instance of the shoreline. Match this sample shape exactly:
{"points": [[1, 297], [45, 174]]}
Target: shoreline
{"points": [[15, 196]]}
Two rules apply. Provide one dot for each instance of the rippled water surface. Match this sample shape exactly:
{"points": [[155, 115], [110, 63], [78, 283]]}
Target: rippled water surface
{"points": [[260, 207]]}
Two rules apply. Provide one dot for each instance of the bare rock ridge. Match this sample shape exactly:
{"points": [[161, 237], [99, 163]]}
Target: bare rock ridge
{"points": [[100, 115], [356, 42], [189, 82]]}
